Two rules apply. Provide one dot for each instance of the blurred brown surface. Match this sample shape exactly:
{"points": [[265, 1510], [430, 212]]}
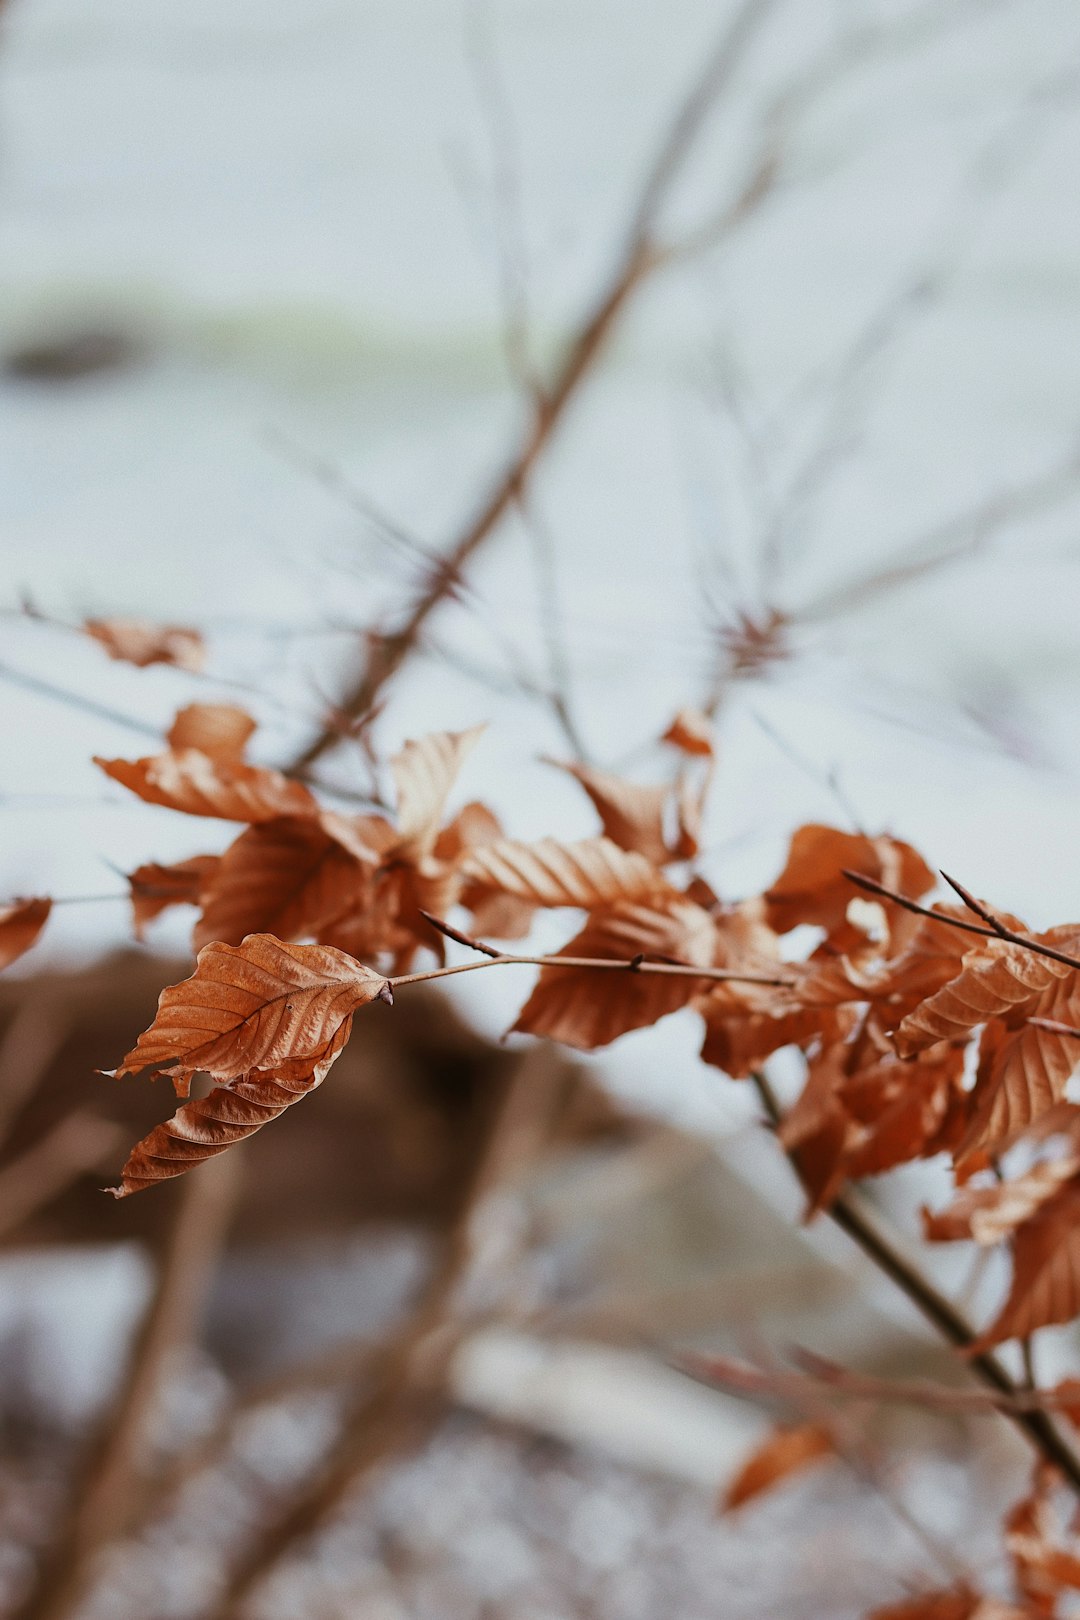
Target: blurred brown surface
{"points": [[388, 1137]]}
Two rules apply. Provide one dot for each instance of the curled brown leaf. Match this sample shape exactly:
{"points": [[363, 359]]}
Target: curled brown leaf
{"points": [[259, 1005]]}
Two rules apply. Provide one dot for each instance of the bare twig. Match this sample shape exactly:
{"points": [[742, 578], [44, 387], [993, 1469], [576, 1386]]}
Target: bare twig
{"points": [[998, 931], [849, 1213], [633, 964], [107, 1491], [81, 1141], [827, 1376], [408, 1392], [639, 257]]}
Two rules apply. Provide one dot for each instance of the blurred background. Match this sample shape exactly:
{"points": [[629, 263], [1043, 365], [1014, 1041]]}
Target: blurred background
{"points": [[728, 352]]}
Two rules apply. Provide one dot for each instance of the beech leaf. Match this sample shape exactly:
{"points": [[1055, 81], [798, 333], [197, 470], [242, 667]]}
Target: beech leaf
{"points": [[20, 924], [188, 779], [589, 873], [155, 887], [1046, 1272], [632, 816], [139, 642], [585, 1008], [812, 887], [996, 979], [290, 876], [788, 1450], [424, 773], [218, 729], [211, 1124], [693, 732], [258, 1005], [988, 1215]]}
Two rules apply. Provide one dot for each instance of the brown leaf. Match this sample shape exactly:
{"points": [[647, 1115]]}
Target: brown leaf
{"points": [[218, 729], [387, 921], [211, 1124], [589, 873], [1038, 1543], [290, 877], [588, 1008], [1026, 1071], [693, 732], [191, 781], [787, 1451], [154, 887], [1046, 1272], [997, 980], [139, 642], [957, 1603], [20, 924], [812, 887], [424, 773], [632, 816], [990, 1214], [259, 1005]]}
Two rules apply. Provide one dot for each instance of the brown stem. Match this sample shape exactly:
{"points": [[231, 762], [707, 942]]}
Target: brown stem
{"points": [[408, 1391], [107, 1492], [851, 1216], [641, 255], [998, 931]]}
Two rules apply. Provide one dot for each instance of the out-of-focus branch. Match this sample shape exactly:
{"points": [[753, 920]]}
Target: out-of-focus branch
{"points": [[639, 256], [850, 1215], [408, 1390], [106, 1493]]}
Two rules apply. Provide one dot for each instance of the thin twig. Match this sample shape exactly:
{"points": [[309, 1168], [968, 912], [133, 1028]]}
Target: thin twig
{"points": [[633, 964], [999, 931], [849, 1213], [820, 1373], [409, 1391], [107, 1493], [640, 256]]}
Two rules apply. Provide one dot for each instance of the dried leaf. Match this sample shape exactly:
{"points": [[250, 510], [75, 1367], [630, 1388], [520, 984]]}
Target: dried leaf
{"points": [[812, 887], [787, 1451], [154, 887], [424, 773], [20, 924], [957, 1603], [1026, 1071], [586, 1007], [211, 1124], [259, 1005], [139, 642], [589, 873], [996, 980], [990, 1214], [693, 732], [290, 877], [218, 729], [1046, 1272], [191, 781], [632, 816], [1038, 1543]]}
